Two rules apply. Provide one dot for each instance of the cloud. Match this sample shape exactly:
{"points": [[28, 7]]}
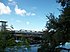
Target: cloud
{"points": [[33, 14], [12, 2], [23, 12], [27, 23], [30, 14], [4, 9], [20, 11]]}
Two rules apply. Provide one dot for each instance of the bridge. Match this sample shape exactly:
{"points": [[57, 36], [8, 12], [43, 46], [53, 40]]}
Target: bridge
{"points": [[28, 33], [34, 36]]}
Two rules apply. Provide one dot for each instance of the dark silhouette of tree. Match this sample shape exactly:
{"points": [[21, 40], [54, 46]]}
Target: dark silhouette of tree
{"points": [[64, 3], [64, 20], [58, 29]]}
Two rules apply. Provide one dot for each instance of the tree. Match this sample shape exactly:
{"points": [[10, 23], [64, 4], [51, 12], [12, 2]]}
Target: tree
{"points": [[64, 3], [65, 19], [58, 28], [61, 24], [7, 40]]}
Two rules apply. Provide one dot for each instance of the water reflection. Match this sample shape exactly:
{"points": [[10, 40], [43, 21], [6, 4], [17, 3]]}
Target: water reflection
{"points": [[33, 48]]}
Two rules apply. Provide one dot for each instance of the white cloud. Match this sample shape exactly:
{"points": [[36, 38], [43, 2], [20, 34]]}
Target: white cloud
{"points": [[23, 12], [33, 14], [12, 3], [10, 0], [4, 9], [20, 11], [27, 23], [30, 14]]}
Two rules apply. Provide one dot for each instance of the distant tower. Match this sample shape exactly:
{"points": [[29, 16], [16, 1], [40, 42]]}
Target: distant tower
{"points": [[3, 25]]}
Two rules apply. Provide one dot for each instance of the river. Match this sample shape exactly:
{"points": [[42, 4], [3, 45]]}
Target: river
{"points": [[33, 48]]}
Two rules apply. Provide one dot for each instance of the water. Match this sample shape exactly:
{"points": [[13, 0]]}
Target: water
{"points": [[66, 46], [33, 48]]}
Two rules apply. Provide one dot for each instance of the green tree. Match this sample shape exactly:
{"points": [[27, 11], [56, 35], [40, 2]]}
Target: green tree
{"points": [[6, 40], [58, 29]]}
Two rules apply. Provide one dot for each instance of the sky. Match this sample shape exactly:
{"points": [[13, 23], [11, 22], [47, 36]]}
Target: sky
{"points": [[27, 14]]}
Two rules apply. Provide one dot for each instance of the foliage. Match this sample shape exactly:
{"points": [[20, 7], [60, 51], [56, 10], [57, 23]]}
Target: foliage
{"points": [[64, 3], [7, 40], [23, 41], [58, 29]]}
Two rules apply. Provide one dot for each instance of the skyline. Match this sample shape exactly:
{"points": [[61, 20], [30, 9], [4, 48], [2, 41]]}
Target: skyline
{"points": [[27, 14]]}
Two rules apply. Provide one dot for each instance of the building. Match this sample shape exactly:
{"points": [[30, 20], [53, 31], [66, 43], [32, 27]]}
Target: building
{"points": [[3, 25]]}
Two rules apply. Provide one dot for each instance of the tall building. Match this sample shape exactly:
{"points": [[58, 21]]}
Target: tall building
{"points": [[3, 25]]}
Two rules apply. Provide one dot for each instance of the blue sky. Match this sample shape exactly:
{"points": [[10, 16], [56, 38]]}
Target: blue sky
{"points": [[27, 14]]}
